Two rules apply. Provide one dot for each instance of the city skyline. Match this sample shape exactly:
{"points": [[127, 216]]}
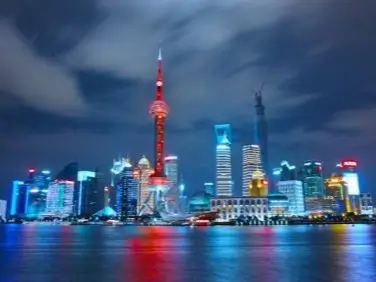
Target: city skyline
{"points": [[89, 112]]}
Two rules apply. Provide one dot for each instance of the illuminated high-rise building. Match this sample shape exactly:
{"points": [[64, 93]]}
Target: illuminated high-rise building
{"points": [[251, 163], [224, 182], [60, 198], [261, 133], [38, 183], [336, 189], [126, 195], [293, 189], [145, 198], [171, 170], [313, 182], [90, 192], [20, 198], [348, 171]]}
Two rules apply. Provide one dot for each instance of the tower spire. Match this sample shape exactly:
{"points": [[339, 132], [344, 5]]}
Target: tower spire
{"points": [[159, 110]]}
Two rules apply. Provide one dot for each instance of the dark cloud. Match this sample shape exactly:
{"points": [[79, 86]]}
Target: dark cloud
{"points": [[77, 79]]}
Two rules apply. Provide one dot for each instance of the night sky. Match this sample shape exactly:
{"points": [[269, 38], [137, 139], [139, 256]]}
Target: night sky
{"points": [[76, 79]]}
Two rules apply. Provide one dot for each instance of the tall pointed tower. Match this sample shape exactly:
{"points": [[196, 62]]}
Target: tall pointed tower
{"points": [[261, 133], [159, 110]]}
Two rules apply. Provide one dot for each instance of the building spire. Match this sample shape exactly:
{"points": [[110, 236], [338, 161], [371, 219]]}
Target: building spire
{"points": [[159, 82], [160, 54]]}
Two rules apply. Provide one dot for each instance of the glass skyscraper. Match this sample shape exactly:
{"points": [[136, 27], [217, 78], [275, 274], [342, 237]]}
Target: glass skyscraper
{"points": [[313, 182], [224, 182], [126, 196]]}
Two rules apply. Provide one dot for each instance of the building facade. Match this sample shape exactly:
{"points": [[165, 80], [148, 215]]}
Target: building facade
{"points": [[20, 198], [336, 189], [143, 173], [127, 190], [234, 207], [278, 205], [209, 188], [224, 182], [313, 182], [349, 174], [251, 162], [39, 182], [60, 198], [171, 170], [258, 187], [91, 193], [366, 204], [293, 189], [3, 209]]}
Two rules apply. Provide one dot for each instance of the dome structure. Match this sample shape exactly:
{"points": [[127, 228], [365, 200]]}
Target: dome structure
{"points": [[107, 211], [144, 162]]}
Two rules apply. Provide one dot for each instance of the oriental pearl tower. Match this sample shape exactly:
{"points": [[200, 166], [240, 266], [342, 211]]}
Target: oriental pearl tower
{"points": [[158, 110]]}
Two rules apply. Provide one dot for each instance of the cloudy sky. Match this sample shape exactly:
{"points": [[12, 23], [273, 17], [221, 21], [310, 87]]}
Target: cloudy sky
{"points": [[76, 78]]}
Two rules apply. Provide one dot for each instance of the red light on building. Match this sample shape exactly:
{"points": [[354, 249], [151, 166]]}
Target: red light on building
{"points": [[349, 163], [31, 170]]}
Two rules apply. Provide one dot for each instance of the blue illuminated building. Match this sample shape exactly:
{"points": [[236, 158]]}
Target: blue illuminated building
{"points": [[20, 198], [126, 194], [38, 186], [209, 188]]}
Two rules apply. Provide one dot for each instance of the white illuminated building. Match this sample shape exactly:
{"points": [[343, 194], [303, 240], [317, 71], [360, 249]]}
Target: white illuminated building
{"points": [[293, 189], [143, 191], [60, 198], [251, 164], [224, 183], [234, 207], [366, 205]]}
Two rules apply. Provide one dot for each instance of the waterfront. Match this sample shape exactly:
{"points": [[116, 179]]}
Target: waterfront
{"points": [[272, 253]]}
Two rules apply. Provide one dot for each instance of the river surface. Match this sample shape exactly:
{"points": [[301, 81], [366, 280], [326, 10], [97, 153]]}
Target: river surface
{"points": [[32, 253]]}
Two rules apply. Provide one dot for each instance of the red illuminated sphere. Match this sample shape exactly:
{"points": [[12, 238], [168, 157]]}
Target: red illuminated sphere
{"points": [[158, 108]]}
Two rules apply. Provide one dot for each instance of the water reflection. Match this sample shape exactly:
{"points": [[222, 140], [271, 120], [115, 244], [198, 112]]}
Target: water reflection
{"points": [[277, 253]]}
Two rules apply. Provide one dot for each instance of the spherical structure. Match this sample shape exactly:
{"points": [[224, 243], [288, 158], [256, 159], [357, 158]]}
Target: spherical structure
{"points": [[158, 108]]}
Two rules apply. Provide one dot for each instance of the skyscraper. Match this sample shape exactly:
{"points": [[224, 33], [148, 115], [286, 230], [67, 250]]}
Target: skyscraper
{"points": [[90, 193], [126, 196], [38, 183], [348, 170], [313, 182], [261, 133], [60, 198], [171, 170], [159, 110], [20, 198], [224, 182], [251, 163]]}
